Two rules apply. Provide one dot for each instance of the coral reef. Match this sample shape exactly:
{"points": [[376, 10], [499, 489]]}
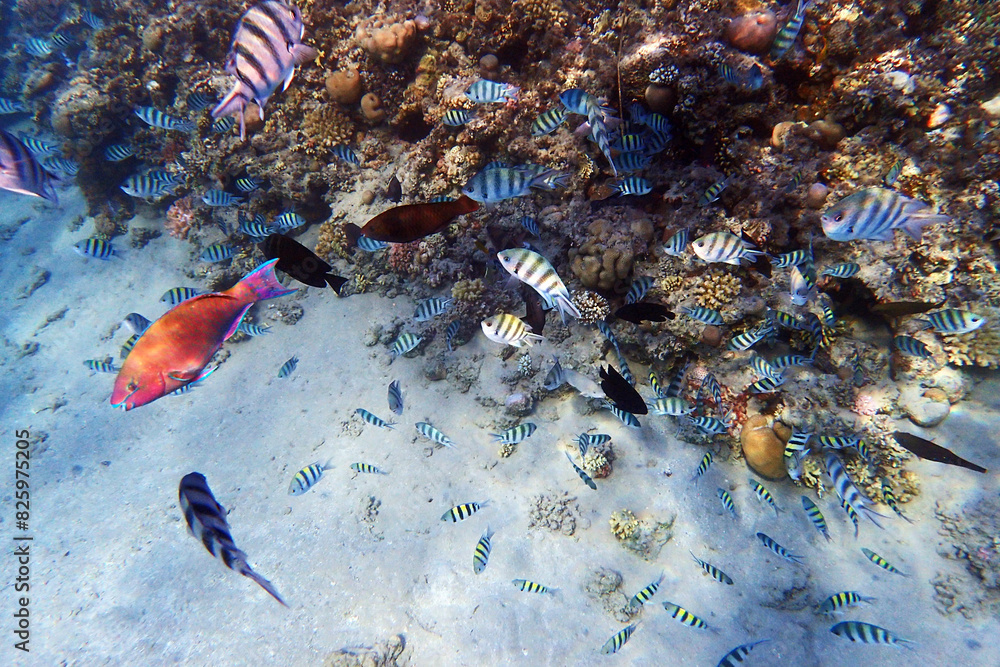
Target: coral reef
{"points": [[972, 533], [715, 289], [592, 306], [180, 217], [390, 43], [641, 537], [344, 86]]}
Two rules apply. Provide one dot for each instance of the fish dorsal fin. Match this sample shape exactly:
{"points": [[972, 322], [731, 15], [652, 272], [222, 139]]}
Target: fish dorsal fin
{"points": [[236, 322]]}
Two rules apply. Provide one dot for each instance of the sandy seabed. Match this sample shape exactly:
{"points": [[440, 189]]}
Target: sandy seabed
{"points": [[116, 579]]}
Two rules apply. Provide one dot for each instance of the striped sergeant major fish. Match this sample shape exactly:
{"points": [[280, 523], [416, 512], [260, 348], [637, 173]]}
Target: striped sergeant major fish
{"points": [[99, 366], [769, 542], [874, 214], [206, 519], [508, 329], [616, 642], [582, 473], [881, 562], [38, 47], [456, 117], [840, 601], [305, 478], [430, 308], [638, 290], [952, 321], [450, 333], [497, 182], [724, 247], [786, 36], [220, 198], [20, 172], [846, 489], [481, 557], [198, 101], [763, 494], [485, 91], [727, 501], [677, 245], [890, 499], [536, 272], [684, 616], [548, 121], [643, 596], [866, 633], [713, 571], [515, 435], [175, 295], [92, 19], [96, 248], [373, 419], [218, 252], [395, 396], [267, 47], [8, 106], [367, 468], [288, 367], [434, 435], [816, 516], [404, 343], [156, 118], [735, 657], [249, 329], [146, 186], [532, 587], [462, 512]]}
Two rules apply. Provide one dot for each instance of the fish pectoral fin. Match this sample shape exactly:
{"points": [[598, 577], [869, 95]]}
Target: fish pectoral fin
{"points": [[236, 323], [184, 375]]}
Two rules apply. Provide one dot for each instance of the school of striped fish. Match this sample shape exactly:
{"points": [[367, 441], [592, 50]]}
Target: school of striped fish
{"points": [[624, 143]]}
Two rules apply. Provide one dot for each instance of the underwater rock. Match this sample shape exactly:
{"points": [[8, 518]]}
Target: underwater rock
{"points": [[643, 538], [344, 86], [825, 133], [762, 448], [924, 407], [816, 195], [711, 335], [78, 112], [779, 135], [390, 44], [660, 98], [752, 32], [371, 107]]}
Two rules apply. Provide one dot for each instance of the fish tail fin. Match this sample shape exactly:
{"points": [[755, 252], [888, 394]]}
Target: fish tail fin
{"points": [[262, 582], [916, 222], [565, 306], [260, 284]]}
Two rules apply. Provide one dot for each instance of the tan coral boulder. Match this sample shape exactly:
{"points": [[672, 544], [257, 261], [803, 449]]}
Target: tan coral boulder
{"points": [[763, 450]]}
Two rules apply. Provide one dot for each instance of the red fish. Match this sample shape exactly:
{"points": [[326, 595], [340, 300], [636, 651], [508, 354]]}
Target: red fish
{"points": [[410, 222], [175, 349]]}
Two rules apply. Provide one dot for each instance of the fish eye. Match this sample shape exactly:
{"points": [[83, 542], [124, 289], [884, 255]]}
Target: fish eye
{"points": [[132, 386], [838, 217]]}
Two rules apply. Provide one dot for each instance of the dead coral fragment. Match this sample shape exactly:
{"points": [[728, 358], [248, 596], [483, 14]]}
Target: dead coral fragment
{"points": [[180, 215], [643, 538]]}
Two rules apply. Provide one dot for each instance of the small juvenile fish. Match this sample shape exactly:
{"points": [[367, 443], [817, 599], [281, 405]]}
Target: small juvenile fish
{"points": [[394, 190], [462, 512], [684, 616], [866, 633], [839, 601], [481, 557], [702, 468], [96, 248], [175, 295], [137, 323], [206, 519], [548, 121], [289, 220], [156, 118], [100, 366], [61, 165], [816, 517], [246, 184], [881, 562], [671, 406], [587, 440], [583, 475], [197, 101], [38, 47], [367, 468], [643, 596], [8, 106], [724, 247], [890, 499], [217, 253], [766, 385], [710, 425], [92, 19], [252, 329], [433, 434], [485, 91], [346, 154], [751, 79], [632, 186], [713, 192], [737, 654], [763, 494], [288, 367], [630, 162], [614, 644], [220, 198], [793, 258], [224, 124], [395, 397], [373, 420], [851, 514], [892, 175], [786, 36], [531, 226], [456, 117], [516, 434], [677, 245], [626, 418], [711, 385], [727, 501], [532, 587], [305, 478], [430, 308], [450, 333], [703, 315], [953, 321], [778, 549], [508, 329], [912, 346], [845, 270], [713, 571], [405, 342], [535, 271], [802, 283]]}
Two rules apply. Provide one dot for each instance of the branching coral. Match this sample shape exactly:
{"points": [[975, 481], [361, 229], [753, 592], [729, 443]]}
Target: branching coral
{"points": [[592, 306], [715, 289]]}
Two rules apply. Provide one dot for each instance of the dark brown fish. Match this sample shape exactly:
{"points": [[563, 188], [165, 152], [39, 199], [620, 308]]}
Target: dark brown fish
{"points": [[534, 314], [903, 308], [410, 222], [621, 393], [394, 190], [926, 449], [644, 311], [300, 262]]}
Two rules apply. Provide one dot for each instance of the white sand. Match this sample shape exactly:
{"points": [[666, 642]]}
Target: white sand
{"points": [[116, 579]]}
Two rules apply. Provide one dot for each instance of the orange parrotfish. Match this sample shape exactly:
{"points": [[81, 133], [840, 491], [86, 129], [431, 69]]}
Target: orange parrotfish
{"points": [[175, 349]]}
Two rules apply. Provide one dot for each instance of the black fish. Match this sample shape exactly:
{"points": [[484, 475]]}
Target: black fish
{"points": [[644, 311], [534, 315], [207, 520], [394, 190], [621, 393], [926, 449], [300, 262]]}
